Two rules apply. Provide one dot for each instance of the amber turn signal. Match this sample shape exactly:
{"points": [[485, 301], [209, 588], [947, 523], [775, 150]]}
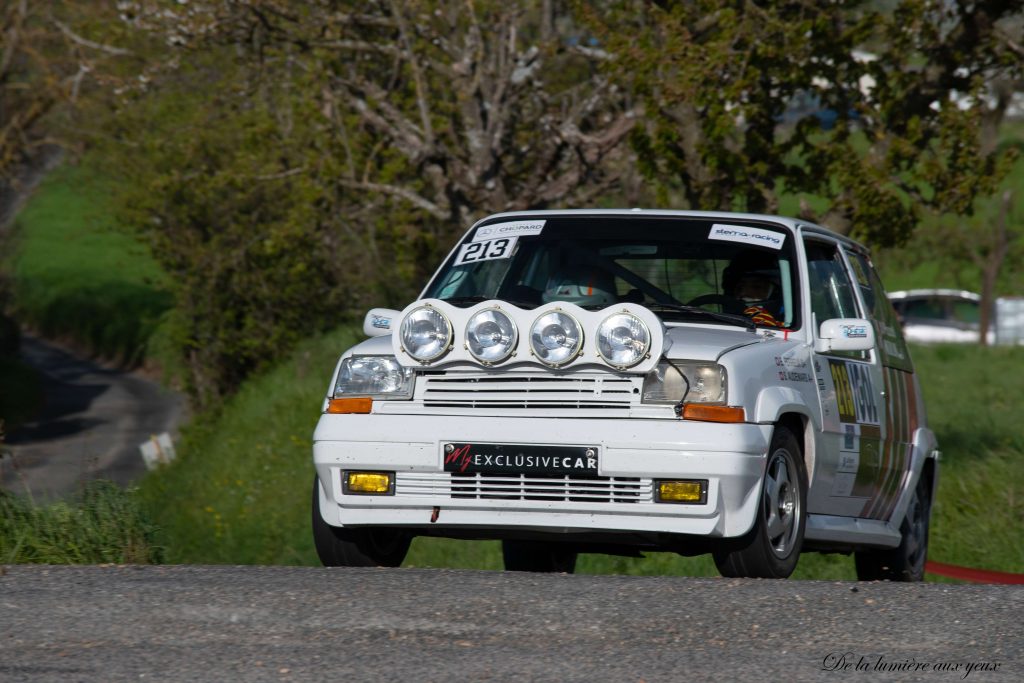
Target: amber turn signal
{"points": [[698, 411], [339, 406]]}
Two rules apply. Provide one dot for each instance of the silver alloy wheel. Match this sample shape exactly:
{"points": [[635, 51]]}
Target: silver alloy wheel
{"points": [[781, 504]]}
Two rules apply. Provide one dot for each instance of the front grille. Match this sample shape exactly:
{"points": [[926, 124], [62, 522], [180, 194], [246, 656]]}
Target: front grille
{"points": [[524, 487], [529, 391]]}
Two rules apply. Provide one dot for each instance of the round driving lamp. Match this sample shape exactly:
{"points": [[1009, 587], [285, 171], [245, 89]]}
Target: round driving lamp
{"points": [[426, 334], [491, 336], [623, 340], [556, 338]]}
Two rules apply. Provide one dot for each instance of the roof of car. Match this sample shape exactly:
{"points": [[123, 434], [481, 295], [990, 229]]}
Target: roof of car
{"points": [[922, 293], [791, 223]]}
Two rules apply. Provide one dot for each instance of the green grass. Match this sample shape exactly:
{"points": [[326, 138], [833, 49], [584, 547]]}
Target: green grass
{"points": [[239, 492], [75, 275], [104, 524], [974, 397]]}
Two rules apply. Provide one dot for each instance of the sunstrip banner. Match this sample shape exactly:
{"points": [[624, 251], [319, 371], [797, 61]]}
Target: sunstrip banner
{"points": [[747, 235], [508, 229]]}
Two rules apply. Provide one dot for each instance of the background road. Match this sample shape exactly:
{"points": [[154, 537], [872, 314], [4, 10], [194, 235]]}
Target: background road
{"points": [[119, 623], [93, 421]]}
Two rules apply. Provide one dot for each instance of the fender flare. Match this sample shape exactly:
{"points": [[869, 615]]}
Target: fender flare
{"points": [[773, 402]]}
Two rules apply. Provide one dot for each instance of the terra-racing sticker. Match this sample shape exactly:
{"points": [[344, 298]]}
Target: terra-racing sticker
{"points": [[471, 252], [742, 233]]}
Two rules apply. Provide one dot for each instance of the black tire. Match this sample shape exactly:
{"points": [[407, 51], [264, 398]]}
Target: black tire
{"points": [[357, 547], [906, 561], [537, 556], [771, 549]]}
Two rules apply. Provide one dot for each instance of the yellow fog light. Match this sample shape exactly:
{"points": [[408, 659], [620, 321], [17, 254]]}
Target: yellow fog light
{"points": [[693, 491], [368, 483]]}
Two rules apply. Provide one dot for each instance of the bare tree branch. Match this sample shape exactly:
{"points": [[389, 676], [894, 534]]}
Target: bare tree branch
{"points": [[422, 94], [85, 42], [403, 192]]}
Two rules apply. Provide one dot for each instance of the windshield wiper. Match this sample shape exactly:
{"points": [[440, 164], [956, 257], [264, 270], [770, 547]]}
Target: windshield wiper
{"points": [[463, 300], [730, 318]]}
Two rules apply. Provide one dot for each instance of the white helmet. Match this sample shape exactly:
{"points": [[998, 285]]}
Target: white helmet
{"points": [[581, 284]]}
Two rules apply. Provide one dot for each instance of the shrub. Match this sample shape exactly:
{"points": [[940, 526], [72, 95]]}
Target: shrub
{"points": [[103, 524]]}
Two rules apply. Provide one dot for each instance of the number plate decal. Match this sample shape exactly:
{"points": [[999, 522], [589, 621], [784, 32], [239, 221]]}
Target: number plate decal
{"points": [[471, 252], [470, 458]]}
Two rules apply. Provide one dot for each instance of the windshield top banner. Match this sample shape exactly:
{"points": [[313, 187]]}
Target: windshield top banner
{"points": [[741, 233], [508, 229]]}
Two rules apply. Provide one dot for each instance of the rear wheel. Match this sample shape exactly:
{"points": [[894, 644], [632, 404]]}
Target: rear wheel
{"points": [[537, 556], [906, 561], [771, 549], [356, 547]]}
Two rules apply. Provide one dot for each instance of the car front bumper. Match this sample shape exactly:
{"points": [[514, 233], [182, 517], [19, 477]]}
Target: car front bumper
{"points": [[632, 453]]}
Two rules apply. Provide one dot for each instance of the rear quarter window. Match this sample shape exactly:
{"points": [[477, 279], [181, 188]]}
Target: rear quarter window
{"points": [[892, 347]]}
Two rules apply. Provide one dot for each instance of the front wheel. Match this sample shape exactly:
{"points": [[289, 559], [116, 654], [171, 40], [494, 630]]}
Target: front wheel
{"points": [[356, 547], [906, 561], [537, 556], [771, 549]]}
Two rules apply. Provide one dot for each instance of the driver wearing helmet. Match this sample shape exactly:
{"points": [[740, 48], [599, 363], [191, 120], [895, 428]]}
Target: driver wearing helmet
{"points": [[582, 284], [753, 279]]}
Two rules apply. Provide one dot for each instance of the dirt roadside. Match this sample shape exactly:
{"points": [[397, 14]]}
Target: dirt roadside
{"points": [[91, 426]]}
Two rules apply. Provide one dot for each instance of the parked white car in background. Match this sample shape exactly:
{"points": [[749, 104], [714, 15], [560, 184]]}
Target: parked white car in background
{"points": [[625, 381], [940, 315], [954, 316]]}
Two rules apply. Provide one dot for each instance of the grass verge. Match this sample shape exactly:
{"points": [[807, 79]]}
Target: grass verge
{"points": [[105, 524], [74, 274], [240, 489]]}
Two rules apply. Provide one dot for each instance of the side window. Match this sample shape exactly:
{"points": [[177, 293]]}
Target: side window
{"points": [[968, 312], [891, 345], [926, 309], [830, 288]]}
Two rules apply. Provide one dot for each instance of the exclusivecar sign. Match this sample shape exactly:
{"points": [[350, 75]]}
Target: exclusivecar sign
{"points": [[488, 458]]}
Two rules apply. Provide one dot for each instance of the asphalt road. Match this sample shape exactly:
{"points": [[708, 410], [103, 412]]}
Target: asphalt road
{"points": [[170, 623], [91, 426]]}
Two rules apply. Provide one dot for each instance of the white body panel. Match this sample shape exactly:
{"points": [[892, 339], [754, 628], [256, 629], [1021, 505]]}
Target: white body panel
{"points": [[774, 375]]}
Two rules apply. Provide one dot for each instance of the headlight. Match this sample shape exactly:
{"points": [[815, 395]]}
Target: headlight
{"points": [[556, 338], [623, 340], [678, 381], [426, 334], [491, 336], [374, 376]]}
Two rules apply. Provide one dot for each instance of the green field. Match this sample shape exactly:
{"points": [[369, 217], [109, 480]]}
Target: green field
{"points": [[239, 492], [74, 275]]}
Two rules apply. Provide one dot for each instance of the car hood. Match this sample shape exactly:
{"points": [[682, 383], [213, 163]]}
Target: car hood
{"points": [[707, 344]]}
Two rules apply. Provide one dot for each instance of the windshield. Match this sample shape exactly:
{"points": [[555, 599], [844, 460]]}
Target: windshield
{"points": [[667, 263]]}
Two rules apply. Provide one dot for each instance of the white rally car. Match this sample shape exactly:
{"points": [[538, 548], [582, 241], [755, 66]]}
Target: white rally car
{"points": [[626, 380]]}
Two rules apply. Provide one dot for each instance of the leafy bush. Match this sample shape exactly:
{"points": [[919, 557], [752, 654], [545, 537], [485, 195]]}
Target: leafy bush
{"points": [[104, 524], [225, 192]]}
